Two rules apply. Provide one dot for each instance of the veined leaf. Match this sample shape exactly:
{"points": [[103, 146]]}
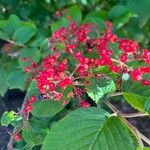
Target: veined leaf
{"points": [[89, 129], [135, 100], [97, 88]]}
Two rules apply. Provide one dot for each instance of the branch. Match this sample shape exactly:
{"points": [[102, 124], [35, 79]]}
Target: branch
{"points": [[132, 128], [14, 43], [16, 130]]}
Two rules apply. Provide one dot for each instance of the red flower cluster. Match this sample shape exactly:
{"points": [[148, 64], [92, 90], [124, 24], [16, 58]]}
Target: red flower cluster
{"points": [[77, 50], [52, 79]]}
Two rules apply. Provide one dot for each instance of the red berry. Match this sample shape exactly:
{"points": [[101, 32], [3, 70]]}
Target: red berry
{"points": [[27, 69], [32, 99], [124, 57], [145, 82], [24, 59], [114, 68], [136, 74], [84, 104], [27, 109], [18, 137]]}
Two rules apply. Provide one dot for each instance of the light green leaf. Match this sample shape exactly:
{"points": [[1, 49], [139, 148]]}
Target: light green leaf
{"points": [[99, 88], [23, 34], [89, 129], [135, 100], [7, 118], [142, 148]]}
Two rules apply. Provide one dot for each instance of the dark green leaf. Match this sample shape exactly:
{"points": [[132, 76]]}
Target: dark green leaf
{"points": [[62, 22], [75, 13], [35, 132], [3, 81], [23, 34], [17, 80], [36, 40], [136, 88], [33, 54], [100, 24], [120, 15], [142, 9], [46, 108], [14, 23], [147, 106]]}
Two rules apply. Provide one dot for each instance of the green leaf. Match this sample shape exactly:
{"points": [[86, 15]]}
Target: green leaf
{"points": [[136, 88], [36, 40], [75, 13], [7, 118], [33, 54], [28, 146], [3, 81], [147, 106], [46, 108], [62, 22], [142, 148], [97, 21], [100, 14], [11, 118], [89, 129], [121, 15], [99, 88], [14, 23], [135, 100], [142, 10], [66, 92], [32, 90], [35, 132], [17, 80], [17, 121], [23, 34]]}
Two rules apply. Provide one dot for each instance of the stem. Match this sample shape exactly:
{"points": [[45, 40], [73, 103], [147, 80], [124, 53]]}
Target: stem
{"points": [[122, 64], [133, 115], [115, 94], [81, 77], [74, 70], [16, 130], [134, 130], [14, 43]]}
